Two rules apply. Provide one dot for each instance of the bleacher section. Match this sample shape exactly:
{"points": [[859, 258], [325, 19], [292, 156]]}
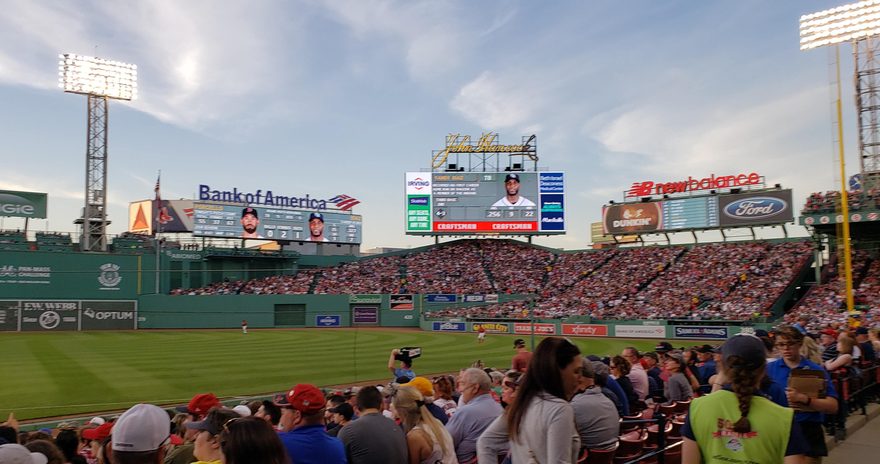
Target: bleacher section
{"points": [[13, 240], [740, 281]]}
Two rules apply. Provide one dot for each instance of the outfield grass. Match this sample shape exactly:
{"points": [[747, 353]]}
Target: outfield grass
{"points": [[51, 374]]}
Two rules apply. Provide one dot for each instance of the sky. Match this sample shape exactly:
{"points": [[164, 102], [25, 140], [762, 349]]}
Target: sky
{"points": [[345, 96]]}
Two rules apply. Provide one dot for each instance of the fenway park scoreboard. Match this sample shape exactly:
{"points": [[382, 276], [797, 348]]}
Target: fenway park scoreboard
{"points": [[462, 203]]}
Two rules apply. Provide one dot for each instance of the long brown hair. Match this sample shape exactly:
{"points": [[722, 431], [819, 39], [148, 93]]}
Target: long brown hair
{"points": [[251, 439], [551, 356], [744, 383]]}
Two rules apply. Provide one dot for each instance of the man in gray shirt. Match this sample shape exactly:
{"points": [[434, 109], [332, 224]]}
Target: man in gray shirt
{"points": [[373, 438], [594, 414], [478, 410]]}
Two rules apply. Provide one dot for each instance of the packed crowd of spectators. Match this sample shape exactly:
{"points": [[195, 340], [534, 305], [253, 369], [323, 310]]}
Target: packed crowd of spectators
{"points": [[825, 304], [714, 281], [828, 202]]}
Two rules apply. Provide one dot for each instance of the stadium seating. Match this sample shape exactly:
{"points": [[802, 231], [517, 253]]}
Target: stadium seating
{"points": [[738, 281]]}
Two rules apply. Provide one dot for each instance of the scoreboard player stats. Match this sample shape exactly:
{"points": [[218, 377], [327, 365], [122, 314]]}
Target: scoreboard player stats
{"points": [[442, 203]]}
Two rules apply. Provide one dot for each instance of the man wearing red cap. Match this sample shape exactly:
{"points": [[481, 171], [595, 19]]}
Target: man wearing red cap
{"points": [[307, 442], [196, 410]]}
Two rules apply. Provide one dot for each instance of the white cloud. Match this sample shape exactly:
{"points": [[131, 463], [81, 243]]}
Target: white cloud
{"points": [[494, 102]]}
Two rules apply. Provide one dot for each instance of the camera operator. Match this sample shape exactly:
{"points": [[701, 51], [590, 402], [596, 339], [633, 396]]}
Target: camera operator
{"points": [[405, 369]]}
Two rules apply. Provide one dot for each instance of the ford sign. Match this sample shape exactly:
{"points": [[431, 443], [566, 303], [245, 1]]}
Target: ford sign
{"points": [[755, 208]]}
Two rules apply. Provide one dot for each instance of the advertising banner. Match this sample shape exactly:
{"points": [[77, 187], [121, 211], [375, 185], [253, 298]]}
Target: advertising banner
{"points": [[264, 223], [402, 302], [23, 204], [140, 217], [328, 320], [474, 298], [441, 298], [8, 316], [774, 207], [473, 202], [108, 315], [491, 327], [448, 326], [365, 315], [640, 331], [585, 330], [41, 275], [632, 218], [492, 298], [540, 328], [365, 299], [174, 216], [691, 331], [49, 315]]}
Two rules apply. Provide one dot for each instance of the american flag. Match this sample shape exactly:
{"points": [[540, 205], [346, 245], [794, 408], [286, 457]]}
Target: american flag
{"points": [[344, 202], [158, 178]]}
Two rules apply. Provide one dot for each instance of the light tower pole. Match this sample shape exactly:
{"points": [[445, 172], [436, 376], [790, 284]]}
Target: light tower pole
{"points": [[100, 80], [858, 23]]}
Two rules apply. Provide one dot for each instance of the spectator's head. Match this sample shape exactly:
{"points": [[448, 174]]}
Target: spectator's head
{"points": [[68, 443], [601, 371], [845, 345], [269, 412], [199, 405], [369, 398], [207, 445], [443, 387], [828, 336], [588, 375], [619, 366], [473, 382], [139, 435], [8, 434], [519, 344], [744, 359], [306, 404], [409, 406], [48, 449], [509, 386], [496, 377], [788, 341], [631, 354], [250, 439], [705, 352], [342, 413], [421, 384], [674, 363], [861, 334], [13, 453], [650, 359], [554, 370]]}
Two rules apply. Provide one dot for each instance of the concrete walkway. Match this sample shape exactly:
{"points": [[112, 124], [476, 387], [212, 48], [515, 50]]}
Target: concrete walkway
{"points": [[863, 441]]}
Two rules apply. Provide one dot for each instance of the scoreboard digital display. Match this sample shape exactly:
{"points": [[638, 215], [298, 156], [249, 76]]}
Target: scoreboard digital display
{"points": [[262, 223], [690, 213], [485, 202], [758, 208]]}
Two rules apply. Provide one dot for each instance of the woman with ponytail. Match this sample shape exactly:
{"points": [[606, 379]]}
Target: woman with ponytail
{"points": [[738, 424], [427, 440]]}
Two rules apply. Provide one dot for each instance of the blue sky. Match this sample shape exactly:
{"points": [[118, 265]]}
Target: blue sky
{"points": [[329, 97]]}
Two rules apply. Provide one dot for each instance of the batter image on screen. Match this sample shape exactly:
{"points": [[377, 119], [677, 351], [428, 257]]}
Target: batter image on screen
{"points": [[316, 228], [250, 220], [511, 186]]}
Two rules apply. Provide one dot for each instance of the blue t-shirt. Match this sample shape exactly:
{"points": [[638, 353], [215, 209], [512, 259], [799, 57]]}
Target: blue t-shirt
{"points": [[401, 372], [621, 395], [779, 372], [310, 444]]}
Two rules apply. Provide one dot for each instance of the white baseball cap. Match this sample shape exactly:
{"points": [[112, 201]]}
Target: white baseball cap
{"points": [[12, 453], [144, 427], [97, 420], [242, 410]]}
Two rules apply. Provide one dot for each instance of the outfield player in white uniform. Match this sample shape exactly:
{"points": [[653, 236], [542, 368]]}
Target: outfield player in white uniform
{"points": [[511, 185]]}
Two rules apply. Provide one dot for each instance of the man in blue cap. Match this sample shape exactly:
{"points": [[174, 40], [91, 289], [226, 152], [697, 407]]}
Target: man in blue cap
{"points": [[316, 228]]}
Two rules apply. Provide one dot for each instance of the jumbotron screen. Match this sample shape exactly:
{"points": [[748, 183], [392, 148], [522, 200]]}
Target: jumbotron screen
{"points": [[263, 223], [441, 203]]}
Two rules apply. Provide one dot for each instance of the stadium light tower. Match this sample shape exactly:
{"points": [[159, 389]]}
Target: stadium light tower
{"points": [[858, 23], [100, 80]]}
